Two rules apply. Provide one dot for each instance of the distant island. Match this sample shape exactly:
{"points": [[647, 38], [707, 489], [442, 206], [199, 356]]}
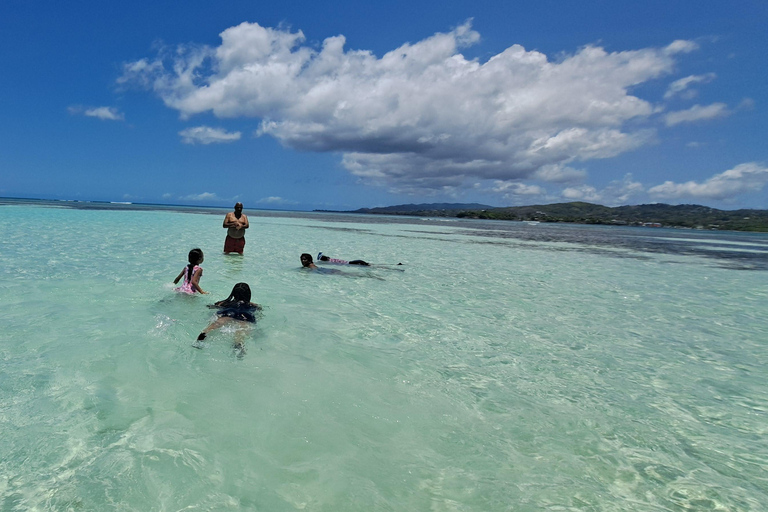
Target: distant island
{"points": [[652, 215]]}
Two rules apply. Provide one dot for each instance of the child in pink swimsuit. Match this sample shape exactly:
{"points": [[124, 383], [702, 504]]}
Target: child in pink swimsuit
{"points": [[191, 274]]}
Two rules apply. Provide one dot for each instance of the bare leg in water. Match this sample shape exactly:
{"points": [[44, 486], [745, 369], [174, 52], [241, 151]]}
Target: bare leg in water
{"points": [[240, 333]]}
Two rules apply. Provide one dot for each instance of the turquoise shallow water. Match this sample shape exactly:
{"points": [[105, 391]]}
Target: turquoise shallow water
{"points": [[509, 367]]}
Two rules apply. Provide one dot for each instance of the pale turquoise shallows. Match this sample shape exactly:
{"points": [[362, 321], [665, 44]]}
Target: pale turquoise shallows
{"points": [[508, 367]]}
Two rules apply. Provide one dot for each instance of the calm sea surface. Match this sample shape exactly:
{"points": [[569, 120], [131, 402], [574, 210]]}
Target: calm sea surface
{"points": [[508, 366]]}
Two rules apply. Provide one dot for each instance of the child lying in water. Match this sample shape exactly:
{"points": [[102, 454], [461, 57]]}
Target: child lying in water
{"points": [[236, 309], [322, 257]]}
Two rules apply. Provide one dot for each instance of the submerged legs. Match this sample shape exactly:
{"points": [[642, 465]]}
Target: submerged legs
{"points": [[242, 330], [219, 322]]}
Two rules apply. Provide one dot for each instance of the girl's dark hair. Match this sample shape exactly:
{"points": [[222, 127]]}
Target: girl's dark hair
{"points": [[241, 292], [194, 256]]}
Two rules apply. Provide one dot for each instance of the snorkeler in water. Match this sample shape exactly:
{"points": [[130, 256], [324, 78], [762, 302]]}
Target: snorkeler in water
{"points": [[236, 309], [327, 259], [191, 274], [307, 261]]}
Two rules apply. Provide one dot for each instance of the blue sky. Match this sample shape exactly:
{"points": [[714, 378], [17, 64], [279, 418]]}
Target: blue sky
{"points": [[349, 104]]}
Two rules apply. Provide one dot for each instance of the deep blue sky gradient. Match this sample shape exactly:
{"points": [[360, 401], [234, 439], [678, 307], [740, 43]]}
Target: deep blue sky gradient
{"points": [[59, 57]]}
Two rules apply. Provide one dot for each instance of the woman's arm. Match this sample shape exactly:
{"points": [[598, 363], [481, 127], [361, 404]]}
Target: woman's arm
{"points": [[178, 277]]}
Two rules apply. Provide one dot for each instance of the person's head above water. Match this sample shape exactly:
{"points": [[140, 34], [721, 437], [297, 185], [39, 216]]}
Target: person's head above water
{"points": [[306, 260], [195, 256], [241, 292], [238, 210]]}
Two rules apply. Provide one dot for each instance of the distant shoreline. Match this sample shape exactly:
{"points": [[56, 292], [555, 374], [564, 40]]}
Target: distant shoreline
{"points": [[689, 216], [126, 205]]}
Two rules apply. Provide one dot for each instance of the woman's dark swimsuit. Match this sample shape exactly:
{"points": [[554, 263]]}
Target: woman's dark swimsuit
{"points": [[242, 311]]}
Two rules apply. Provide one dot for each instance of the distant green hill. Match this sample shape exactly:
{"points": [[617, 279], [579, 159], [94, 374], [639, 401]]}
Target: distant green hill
{"points": [[683, 216]]}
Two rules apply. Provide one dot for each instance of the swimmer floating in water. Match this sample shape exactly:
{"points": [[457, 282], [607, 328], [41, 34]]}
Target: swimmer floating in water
{"points": [[308, 263], [236, 309], [191, 274], [326, 259], [320, 257]]}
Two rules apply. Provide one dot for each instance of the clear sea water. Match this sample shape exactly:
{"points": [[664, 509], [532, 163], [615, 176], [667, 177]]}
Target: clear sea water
{"points": [[509, 367]]}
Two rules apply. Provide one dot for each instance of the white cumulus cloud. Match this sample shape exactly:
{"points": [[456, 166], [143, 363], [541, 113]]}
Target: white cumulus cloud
{"points": [[559, 174], [104, 113], [681, 46], [207, 135], [682, 86], [616, 193], [511, 189], [275, 200], [697, 113], [744, 178], [422, 117], [204, 196], [582, 193]]}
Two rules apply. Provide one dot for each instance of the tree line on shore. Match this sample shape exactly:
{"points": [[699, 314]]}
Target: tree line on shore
{"points": [[680, 216]]}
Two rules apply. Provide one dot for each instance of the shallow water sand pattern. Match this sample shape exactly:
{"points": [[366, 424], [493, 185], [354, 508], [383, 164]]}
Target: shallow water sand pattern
{"points": [[510, 367]]}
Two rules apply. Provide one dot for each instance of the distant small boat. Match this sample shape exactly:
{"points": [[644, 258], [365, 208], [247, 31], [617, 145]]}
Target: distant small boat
{"points": [[532, 222]]}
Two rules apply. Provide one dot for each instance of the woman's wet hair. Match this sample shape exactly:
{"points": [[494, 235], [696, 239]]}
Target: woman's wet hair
{"points": [[241, 292], [306, 256], [195, 255]]}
